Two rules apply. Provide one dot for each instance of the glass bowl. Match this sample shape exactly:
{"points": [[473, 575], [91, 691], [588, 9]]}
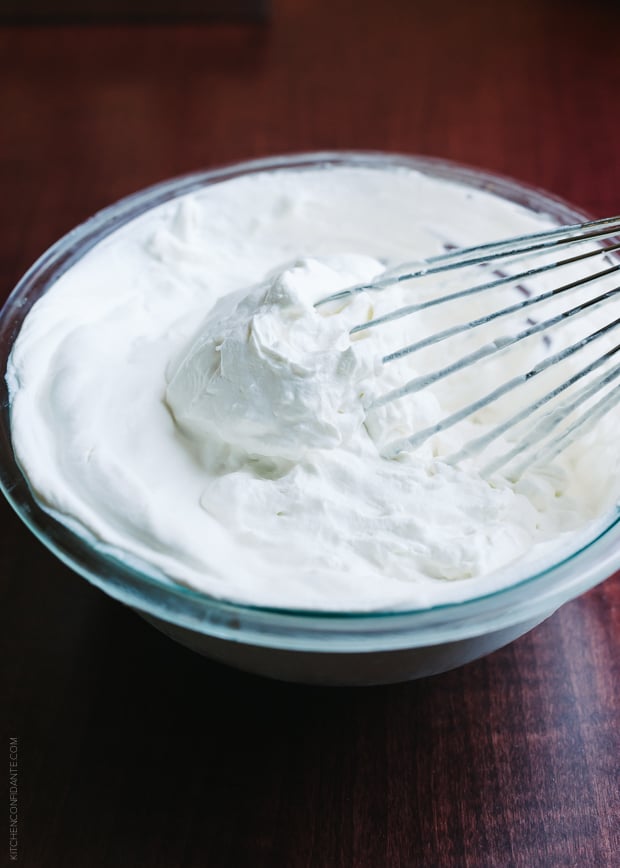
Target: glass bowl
{"points": [[298, 645]]}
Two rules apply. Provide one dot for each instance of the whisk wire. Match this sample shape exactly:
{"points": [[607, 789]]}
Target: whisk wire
{"points": [[581, 426], [478, 444], [494, 284], [501, 343], [552, 431], [482, 254], [487, 318]]}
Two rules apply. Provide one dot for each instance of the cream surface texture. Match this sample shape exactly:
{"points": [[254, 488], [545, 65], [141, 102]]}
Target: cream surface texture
{"points": [[178, 397]]}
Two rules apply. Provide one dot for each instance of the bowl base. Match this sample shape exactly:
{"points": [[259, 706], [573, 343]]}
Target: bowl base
{"points": [[344, 669]]}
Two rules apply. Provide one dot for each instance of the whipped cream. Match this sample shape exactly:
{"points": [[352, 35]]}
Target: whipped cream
{"points": [[268, 374], [178, 397]]}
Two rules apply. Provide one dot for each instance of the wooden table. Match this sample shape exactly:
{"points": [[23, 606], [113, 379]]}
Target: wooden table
{"points": [[134, 752]]}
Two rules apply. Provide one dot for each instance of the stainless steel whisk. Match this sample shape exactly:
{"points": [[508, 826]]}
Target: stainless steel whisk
{"points": [[547, 437]]}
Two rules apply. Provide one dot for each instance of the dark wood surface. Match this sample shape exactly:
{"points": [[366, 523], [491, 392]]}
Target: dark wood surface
{"points": [[124, 11], [133, 751]]}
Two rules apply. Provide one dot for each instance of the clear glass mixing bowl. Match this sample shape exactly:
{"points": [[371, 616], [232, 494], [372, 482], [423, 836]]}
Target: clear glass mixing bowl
{"points": [[306, 646]]}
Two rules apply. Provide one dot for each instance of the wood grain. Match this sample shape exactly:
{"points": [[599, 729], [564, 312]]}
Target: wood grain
{"points": [[134, 752]]}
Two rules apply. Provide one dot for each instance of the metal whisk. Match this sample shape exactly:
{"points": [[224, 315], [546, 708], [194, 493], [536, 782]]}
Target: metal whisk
{"points": [[561, 421]]}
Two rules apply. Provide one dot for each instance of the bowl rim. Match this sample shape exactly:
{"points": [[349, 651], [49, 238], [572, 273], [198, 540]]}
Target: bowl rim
{"points": [[147, 591]]}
